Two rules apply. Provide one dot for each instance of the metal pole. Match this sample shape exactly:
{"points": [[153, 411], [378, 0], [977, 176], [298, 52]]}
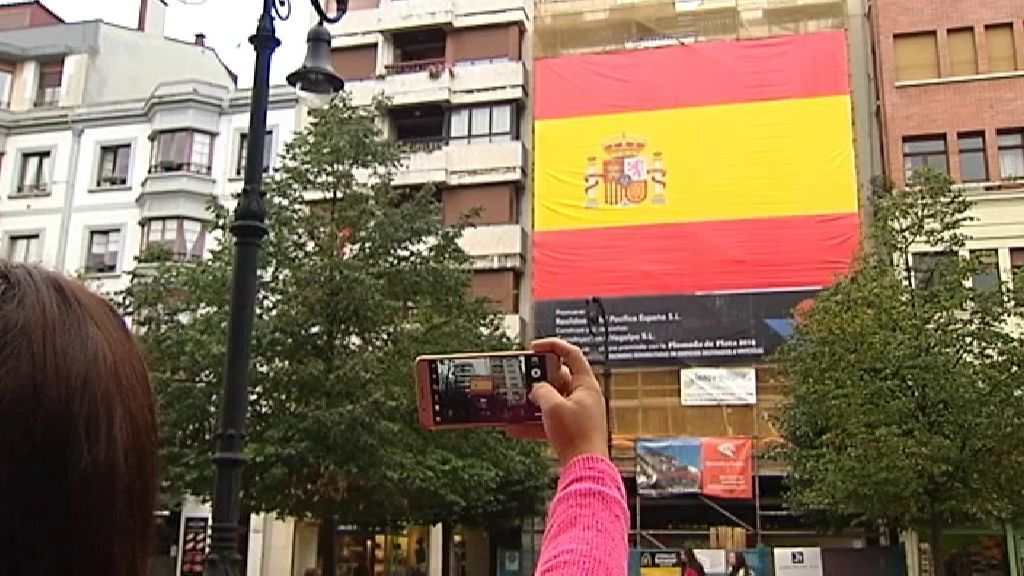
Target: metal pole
{"points": [[249, 230], [597, 317]]}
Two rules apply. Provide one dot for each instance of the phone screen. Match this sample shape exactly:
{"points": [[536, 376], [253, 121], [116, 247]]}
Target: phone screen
{"points": [[486, 390]]}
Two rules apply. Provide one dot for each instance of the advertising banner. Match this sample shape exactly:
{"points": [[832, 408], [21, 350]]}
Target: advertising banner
{"points": [[193, 554], [701, 212], [662, 563], [717, 467], [718, 386], [797, 561]]}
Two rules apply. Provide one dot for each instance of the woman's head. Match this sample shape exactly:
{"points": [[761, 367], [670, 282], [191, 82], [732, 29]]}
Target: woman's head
{"points": [[78, 433]]}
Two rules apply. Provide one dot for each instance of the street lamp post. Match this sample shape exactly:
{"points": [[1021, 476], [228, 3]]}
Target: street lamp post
{"points": [[597, 325], [249, 228]]}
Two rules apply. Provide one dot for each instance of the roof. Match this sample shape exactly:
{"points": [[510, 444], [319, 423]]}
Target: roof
{"points": [[7, 3]]}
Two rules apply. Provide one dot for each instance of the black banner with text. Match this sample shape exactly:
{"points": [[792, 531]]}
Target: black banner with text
{"points": [[684, 330]]}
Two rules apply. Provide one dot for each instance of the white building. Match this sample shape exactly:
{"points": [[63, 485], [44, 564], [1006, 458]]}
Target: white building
{"points": [[104, 155]]}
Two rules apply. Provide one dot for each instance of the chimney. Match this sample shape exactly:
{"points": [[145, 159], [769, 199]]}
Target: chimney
{"points": [[200, 39], [151, 16]]}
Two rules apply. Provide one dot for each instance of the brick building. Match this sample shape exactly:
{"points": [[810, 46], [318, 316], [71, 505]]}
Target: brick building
{"points": [[950, 75]]}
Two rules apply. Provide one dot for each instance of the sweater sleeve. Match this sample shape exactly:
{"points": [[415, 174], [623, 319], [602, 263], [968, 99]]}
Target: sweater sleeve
{"points": [[587, 532]]}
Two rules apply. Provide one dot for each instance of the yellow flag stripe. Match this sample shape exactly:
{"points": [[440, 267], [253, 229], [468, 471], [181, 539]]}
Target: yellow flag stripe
{"points": [[730, 162]]}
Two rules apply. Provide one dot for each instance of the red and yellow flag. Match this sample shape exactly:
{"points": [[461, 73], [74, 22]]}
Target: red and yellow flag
{"points": [[715, 167]]}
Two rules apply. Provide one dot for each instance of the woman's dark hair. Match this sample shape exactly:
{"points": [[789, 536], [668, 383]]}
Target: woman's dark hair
{"points": [[78, 438], [741, 562], [692, 561]]}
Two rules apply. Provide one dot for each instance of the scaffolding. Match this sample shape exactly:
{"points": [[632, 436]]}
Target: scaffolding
{"points": [[588, 26]]}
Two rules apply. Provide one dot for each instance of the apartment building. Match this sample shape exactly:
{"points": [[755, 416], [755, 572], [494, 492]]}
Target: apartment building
{"points": [[455, 73], [950, 74], [104, 155]]}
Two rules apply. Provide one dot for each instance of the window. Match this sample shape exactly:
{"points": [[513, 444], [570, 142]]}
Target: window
{"points": [[925, 152], [1011, 154], [6, 82], [35, 174], [182, 151], [420, 127], [183, 237], [418, 51], [113, 168], [48, 93], [1001, 56], [963, 56], [917, 56], [268, 153], [972, 157], [927, 267], [986, 278], [482, 124], [104, 251], [24, 249]]}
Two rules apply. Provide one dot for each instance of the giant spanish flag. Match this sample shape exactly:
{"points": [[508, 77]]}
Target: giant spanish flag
{"points": [[701, 191]]}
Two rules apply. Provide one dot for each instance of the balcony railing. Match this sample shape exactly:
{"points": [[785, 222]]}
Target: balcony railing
{"points": [[425, 144], [435, 66], [169, 166], [35, 189]]}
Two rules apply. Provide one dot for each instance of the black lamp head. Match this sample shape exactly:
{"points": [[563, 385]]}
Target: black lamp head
{"points": [[317, 74]]}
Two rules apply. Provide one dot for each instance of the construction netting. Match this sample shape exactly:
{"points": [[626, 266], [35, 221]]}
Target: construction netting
{"points": [[581, 26]]}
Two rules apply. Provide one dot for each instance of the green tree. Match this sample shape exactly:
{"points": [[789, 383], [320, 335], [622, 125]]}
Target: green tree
{"points": [[904, 389], [358, 277]]}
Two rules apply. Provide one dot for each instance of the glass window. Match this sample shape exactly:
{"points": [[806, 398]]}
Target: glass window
{"points": [[104, 251], [963, 56], [1011, 154], [927, 266], [35, 173], [113, 168], [183, 237], [6, 81], [48, 92], [482, 124], [459, 126], [24, 249], [182, 151], [972, 157], [917, 56], [986, 278], [268, 153], [1001, 53], [925, 152]]}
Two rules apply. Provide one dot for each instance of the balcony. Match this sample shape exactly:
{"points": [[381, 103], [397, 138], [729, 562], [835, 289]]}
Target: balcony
{"points": [[420, 82], [176, 194], [408, 14], [495, 247], [434, 160]]}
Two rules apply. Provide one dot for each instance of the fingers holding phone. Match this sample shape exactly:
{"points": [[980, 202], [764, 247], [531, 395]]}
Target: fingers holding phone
{"points": [[574, 414]]}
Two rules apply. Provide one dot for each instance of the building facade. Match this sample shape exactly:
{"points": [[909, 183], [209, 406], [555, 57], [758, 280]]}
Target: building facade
{"points": [[949, 75]]}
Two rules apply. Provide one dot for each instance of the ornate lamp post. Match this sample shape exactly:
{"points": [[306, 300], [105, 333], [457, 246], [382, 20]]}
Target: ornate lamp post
{"points": [[249, 229]]}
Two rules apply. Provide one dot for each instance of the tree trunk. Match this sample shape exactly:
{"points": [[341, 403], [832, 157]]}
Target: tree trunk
{"points": [[327, 547], [935, 541]]}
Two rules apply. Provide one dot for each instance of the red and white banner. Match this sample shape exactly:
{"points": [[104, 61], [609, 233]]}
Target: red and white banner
{"points": [[728, 467]]}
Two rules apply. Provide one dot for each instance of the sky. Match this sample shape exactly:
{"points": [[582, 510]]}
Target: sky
{"points": [[226, 23]]}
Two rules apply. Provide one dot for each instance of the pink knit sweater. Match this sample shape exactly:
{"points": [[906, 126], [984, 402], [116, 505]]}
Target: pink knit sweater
{"points": [[588, 524]]}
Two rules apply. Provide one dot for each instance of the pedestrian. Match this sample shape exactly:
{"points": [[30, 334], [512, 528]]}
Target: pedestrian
{"points": [[738, 565], [78, 435], [693, 565], [588, 521]]}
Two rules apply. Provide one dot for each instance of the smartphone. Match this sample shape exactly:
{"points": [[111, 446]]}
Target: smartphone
{"points": [[481, 390]]}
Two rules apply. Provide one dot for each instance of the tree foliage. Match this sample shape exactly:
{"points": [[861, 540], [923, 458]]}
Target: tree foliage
{"points": [[358, 277], [904, 381]]}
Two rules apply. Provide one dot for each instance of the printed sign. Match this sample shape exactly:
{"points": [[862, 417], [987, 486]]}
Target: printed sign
{"points": [[728, 467], [193, 550], [718, 386], [713, 561], [665, 563], [718, 467], [797, 562]]}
